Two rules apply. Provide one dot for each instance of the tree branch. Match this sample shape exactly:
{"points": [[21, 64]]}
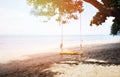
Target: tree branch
{"points": [[100, 7]]}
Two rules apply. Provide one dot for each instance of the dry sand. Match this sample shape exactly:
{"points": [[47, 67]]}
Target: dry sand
{"points": [[98, 61]]}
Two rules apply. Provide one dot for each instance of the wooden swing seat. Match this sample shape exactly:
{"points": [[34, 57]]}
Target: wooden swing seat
{"points": [[71, 53]]}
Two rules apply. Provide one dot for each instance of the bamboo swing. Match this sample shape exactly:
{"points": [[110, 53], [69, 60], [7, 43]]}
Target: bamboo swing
{"points": [[80, 53]]}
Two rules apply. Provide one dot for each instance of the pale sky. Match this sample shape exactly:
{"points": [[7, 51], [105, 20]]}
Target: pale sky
{"points": [[15, 19]]}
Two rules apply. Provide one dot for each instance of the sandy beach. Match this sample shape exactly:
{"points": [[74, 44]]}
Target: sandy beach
{"points": [[98, 60]]}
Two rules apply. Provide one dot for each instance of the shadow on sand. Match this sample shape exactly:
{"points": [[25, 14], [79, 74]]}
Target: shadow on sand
{"points": [[108, 54], [34, 67]]}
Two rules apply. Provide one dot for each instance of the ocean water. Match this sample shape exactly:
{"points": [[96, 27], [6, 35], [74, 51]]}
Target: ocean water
{"points": [[13, 47]]}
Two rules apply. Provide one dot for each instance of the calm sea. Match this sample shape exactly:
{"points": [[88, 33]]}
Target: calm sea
{"points": [[45, 41], [12, 46]]}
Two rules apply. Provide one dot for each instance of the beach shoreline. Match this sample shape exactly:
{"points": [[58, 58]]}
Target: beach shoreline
{"points": [[20, 47], [15, 53], [98, 57]]}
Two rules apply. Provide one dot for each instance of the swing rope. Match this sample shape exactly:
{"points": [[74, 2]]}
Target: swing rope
{"points": [[69, 52], [61, 45], [81, 33]]}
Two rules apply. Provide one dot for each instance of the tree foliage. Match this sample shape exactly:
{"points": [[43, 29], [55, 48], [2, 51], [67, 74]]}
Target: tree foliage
{"points": [[63, 9], [68, 9]]}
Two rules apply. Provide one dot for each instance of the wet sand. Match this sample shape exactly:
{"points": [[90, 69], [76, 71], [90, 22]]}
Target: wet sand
{"points": [[99, 60]]}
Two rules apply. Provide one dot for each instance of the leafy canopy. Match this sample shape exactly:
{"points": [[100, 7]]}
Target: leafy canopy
{"points": [[64, 9], [68, 9]]}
